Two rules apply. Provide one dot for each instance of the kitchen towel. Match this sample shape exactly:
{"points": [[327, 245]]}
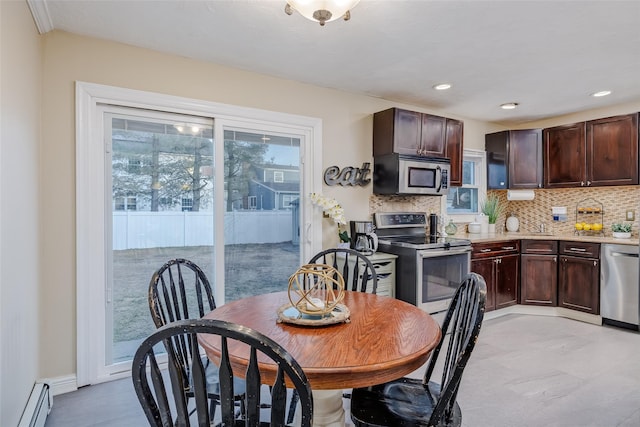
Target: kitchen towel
{"points": [[520, 195]]}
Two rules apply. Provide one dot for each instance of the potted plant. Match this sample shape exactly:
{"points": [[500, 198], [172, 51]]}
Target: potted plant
{"points": [[621, 230], [492, 208]]}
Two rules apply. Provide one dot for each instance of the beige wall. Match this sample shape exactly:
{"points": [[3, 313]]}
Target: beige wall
{"points": [[347, 137], [20, 89]]}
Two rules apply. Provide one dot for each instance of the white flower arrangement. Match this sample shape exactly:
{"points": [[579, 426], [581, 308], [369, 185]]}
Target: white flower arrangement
{"points": [[333, 210]]}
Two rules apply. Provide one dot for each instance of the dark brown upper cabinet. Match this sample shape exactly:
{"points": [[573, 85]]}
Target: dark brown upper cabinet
{"points": [[433, 136], [454, 135], [419, 134], [514, 159], [612, 151], [600, 152]]}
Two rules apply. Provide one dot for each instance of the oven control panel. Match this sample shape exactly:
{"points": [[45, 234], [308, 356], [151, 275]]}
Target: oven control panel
{"points": [[400, 219]]}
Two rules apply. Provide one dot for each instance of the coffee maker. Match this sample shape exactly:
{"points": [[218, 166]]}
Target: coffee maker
{"points": [[363, 239]]}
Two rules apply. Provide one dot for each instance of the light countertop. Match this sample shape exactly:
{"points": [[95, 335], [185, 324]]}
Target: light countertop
{"points": [[496, 237]]}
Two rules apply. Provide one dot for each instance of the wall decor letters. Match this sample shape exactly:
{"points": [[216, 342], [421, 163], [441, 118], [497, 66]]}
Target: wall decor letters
{"points": [[348, 176]]}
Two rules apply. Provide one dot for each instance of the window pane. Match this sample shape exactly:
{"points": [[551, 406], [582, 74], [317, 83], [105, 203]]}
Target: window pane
{"points": [[468, 173], [462, 200], [157, 172], [262, 190]]}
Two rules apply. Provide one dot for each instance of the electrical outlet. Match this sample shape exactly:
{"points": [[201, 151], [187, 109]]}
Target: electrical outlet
{"points": [[631, 215]]}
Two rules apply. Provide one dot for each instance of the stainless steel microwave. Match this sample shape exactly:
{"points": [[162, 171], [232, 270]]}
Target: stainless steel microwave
{"points": [[404, 174]]}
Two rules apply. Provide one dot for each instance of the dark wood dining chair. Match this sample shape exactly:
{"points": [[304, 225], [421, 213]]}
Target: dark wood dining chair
{"points": [[180, 290], [423, 402], [359, 274], [156, 390], [357, 270]]}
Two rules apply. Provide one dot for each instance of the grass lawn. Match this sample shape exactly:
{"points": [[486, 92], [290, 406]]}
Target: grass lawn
{"points": [[250, 269]]}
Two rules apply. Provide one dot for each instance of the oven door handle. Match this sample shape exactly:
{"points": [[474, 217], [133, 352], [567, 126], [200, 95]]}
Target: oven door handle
{"points": [[432, 253]]}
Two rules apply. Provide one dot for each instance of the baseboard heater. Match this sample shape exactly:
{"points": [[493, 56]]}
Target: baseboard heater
{"points": [[38, 406]]}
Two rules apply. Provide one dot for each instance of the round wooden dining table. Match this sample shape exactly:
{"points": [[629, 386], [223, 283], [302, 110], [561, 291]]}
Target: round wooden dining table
{"points": [[384, 339]]}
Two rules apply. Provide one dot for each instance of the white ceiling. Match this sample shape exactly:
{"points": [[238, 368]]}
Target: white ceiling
{"points": [[548, 56]]}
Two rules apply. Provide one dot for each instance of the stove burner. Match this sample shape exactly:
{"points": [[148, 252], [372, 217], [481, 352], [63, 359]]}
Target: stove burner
{"points": [[424, 241], [408, 230]]}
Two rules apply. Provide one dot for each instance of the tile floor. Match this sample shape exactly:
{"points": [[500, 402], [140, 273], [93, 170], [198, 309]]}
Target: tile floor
{"points": [[525, 371]]}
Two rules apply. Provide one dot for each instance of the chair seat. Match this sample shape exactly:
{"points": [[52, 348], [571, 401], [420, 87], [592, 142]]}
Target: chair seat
{"points": [[403, 402]]}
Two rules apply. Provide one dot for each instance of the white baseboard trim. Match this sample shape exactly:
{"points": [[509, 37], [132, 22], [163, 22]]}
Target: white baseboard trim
{"points": [[545, 311], [62, 385]]}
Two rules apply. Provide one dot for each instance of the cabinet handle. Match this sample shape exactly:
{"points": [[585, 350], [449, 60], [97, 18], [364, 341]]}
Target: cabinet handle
{"points": [[578, 249], [508, 248], [485, 250], [595, 263], [539, 185], [555, 259], [588, 182], [581, 183], [381, 264]]}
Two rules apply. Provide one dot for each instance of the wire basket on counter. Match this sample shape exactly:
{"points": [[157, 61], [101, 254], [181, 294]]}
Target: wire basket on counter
{"points": [[589, 218]]}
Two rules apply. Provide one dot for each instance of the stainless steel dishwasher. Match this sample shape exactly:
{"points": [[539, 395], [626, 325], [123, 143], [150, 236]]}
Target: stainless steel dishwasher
{"points": [[619, 285]]}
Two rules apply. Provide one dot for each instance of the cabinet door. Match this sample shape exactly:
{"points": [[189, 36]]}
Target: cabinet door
{"points": [[539, 280], [525, 158], [396, 131], [433, 136], [506, 278], [612, 151], [454, 151], [486, 268], [579, 284], [495, 144], [564, 156]]}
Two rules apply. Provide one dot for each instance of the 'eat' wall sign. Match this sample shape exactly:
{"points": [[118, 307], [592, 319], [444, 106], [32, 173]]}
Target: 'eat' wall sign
{"points": [[347, 176]]}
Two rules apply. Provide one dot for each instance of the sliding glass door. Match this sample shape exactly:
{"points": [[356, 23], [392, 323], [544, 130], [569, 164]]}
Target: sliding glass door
{"points": [[163, 204]]}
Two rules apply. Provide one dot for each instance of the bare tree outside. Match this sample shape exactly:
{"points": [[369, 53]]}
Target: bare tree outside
{"points": [[239, 156]]}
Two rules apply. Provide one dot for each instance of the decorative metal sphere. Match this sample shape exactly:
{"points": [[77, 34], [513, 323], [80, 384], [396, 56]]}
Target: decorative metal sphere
{"points": [[316, 289]]}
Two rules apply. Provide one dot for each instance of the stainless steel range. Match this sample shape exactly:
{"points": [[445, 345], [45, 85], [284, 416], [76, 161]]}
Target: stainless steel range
{"points": [[429, 267]]}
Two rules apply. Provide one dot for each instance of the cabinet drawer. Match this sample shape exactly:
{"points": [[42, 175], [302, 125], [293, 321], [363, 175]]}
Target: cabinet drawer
{"points": [[584, 249], [543, 247], [383, 267], [490, 249]]}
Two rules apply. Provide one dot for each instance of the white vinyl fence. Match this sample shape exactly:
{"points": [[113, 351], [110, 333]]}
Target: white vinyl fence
{"points": [[136, 230]]}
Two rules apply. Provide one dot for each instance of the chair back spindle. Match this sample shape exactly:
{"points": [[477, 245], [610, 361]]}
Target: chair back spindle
{"points": [[357, 270], [160, 412]]}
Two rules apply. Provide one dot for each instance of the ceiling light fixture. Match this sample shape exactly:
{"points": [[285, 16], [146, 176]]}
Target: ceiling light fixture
{"points": [[509, 105], [321, 10], [442, 86], [601, 93]]}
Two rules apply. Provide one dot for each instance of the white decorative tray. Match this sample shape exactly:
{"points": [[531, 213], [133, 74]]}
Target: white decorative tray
{"points": [[290, 314]]}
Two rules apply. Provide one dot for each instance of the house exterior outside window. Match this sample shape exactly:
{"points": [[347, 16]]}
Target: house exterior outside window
{"points": [[187, 204]]}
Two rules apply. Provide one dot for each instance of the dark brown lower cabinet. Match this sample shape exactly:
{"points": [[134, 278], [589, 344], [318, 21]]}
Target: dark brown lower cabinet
{"points": [[539, 273], [579, 276], [498, 263]]}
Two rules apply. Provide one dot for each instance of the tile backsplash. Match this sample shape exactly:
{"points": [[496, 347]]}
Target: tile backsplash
{"points": [[615, 202]]}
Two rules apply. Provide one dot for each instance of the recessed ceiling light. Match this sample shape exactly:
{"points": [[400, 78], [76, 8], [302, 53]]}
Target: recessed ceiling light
{"points": [[601, 93], [509, 105], [442, 86]]}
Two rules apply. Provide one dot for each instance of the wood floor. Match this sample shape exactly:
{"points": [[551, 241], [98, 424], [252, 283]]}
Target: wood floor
{"points": [[525, 371]]}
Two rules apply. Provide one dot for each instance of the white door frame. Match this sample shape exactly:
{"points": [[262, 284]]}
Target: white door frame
{"points": [[91, 209]]}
